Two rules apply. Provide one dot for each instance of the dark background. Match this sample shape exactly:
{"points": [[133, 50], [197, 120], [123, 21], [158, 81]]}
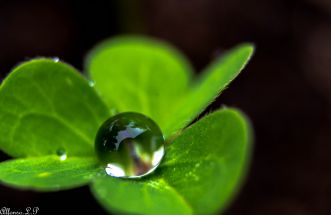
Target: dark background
{"points": [[285, 90]]}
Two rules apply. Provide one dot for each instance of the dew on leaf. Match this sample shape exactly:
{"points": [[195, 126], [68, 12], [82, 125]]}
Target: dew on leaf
{"points": [[56, 59], [61, 152], [130, 145], [91, 83]]}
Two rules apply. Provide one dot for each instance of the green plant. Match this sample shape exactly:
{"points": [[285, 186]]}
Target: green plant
{"points": [[50, 115]]}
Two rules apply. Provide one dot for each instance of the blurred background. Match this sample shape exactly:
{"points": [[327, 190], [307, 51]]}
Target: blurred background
{"points": [[285, 90]]}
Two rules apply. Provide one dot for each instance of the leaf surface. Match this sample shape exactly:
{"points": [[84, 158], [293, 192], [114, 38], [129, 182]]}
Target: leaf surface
{"points": [[200, 174], [140, 75], [208, 86], [46, 106], [48, 173]]}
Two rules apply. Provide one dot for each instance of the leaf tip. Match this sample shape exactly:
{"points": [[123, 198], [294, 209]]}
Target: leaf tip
{"points": [[248, 48]]}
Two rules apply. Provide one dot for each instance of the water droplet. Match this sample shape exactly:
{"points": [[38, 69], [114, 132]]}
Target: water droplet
{"points": [[113, 111], [130, 145], [56, 59], [62, 154], [91, 83]]}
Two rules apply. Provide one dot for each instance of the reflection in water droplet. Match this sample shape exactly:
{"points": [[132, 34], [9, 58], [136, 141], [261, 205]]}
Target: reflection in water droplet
{"points": [[56, 59], [113, 169], [130, 145], [158, 154], [91, 83], [62, 154]]}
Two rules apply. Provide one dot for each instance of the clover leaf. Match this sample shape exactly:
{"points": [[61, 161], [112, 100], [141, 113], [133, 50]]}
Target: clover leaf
{"points": [[50, 113]]}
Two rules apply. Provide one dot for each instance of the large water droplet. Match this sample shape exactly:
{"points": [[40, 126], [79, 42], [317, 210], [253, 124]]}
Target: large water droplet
{"points": [[130, 145]]}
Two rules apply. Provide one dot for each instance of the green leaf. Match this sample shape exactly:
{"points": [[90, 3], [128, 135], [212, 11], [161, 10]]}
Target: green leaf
{"points": [[200, 174], [139, 197], [48, 173], [46, 106], [205, 90], [141, 75]]}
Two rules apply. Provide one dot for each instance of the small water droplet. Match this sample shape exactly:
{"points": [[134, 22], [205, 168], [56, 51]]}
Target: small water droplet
{"points": [[62, 154], [130, 145], [91, 83], [113, 111], [56, 59]]}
